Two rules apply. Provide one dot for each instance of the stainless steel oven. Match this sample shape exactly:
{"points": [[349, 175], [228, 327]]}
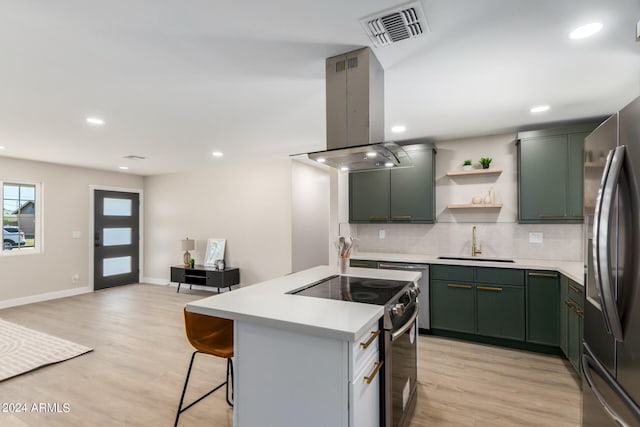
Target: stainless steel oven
{"points": [[401, 357]]}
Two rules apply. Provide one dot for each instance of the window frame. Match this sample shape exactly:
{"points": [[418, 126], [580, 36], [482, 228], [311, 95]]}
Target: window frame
{"points": [[38, 247]]}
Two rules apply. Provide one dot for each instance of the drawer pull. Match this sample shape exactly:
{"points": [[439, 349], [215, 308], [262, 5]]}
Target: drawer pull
{"points": [[488, 288], [574, 289], [359, 264], [579, 313], [373, 373], [400, 216], [543, 275], [374, 335], [377, 217], [453, 285], [570, 304]]}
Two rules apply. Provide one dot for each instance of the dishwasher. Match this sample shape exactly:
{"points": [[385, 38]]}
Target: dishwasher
{"points": [[423, 284]]}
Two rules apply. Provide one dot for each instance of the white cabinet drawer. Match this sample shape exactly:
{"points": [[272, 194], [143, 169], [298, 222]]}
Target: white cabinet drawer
{"points": [[364, 347], [364, 393]]}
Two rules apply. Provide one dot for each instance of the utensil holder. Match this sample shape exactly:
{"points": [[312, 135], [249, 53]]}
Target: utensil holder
{"points": [[343, 265]]}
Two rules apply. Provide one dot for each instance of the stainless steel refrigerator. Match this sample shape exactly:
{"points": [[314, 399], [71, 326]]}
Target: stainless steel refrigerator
{"points": [[611, 344]]}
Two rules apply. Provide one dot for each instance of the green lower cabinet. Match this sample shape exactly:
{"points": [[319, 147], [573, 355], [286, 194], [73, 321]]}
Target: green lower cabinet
{"points": [[564, 315], [500, 311], [452, 306], [574, 332], [543, 313], [362, 263]]}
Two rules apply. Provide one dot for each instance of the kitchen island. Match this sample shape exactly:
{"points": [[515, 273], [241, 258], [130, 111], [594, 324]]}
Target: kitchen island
{"points": [[299, 360]]}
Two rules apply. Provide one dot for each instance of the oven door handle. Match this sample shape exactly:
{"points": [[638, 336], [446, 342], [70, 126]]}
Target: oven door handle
{"points": [[395, 335]]}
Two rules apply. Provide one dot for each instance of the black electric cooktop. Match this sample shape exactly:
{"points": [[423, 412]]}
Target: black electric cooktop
{"points": [[357, 289]]}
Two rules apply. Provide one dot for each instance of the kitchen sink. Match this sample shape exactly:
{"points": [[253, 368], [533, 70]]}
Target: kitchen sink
{"points": [[458, 258]]}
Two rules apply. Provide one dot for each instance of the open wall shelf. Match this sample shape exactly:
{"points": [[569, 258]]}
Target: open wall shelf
{"points": [[475, 206], [475, 172]]}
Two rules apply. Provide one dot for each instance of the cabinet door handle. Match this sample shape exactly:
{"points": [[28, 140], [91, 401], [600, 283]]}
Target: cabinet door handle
{"points": [[378, 217], [571, 304], [543, 275], [488, 288], [548, 216], [575, 289], [373, 373], [374, 335], [453, 285], [400, 216]]}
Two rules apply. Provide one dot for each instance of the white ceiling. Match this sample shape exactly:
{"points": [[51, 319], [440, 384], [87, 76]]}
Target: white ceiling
{"points": [[177, 79]]}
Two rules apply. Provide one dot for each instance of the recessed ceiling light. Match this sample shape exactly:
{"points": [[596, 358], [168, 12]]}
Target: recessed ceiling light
{"points": [[96, 121], [585, 31], [389, 164], [344, 168], [398, 129], [321, 160], [217, 154], [371, 154], [2, 147], [539, 109], [124, 168]]}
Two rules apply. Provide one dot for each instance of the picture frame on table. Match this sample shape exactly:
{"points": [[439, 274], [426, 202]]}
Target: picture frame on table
{"points": [[214, 252]]}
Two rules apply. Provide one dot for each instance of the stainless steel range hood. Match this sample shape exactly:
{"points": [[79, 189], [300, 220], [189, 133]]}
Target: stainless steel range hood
{"points": [[355, 115]]}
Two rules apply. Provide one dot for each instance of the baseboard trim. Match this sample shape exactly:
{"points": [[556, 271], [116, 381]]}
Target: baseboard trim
{"points": [[44, 297]]}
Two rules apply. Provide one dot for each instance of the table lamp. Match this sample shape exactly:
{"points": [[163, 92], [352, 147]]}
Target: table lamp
{"points": [[188, 245]]}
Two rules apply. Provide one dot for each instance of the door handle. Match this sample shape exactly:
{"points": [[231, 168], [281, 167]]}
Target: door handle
{"points": [[601, 249]]}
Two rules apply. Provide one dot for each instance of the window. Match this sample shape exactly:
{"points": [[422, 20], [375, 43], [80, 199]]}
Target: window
{"points": [[20, 217]]}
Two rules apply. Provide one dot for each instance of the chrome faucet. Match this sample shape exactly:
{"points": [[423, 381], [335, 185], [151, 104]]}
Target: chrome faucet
{"points": [[475, 248]]}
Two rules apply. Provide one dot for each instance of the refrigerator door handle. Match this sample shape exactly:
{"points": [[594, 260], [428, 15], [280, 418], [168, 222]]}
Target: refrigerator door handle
{"points": [[601, 248]]}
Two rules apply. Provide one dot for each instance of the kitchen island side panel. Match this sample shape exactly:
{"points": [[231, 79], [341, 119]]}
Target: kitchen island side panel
{"points": [[286, 378]]}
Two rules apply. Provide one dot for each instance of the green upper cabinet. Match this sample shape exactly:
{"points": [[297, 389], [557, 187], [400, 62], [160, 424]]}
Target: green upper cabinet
{"points": [[369, 196], [395, 195], [550, 174], [412, 189], [543, 308]]}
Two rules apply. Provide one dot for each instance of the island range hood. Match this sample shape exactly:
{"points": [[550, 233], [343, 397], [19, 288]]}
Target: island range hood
{"points": [[355, 116]]}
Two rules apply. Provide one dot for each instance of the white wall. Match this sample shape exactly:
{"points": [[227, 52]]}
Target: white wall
{"points": [[247, 203], [311, 214], [497, 229], [66, 200]]}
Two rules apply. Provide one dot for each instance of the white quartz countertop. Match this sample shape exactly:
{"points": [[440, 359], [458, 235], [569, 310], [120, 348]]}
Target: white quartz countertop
{"points": [[268, 304], [572, 269]]}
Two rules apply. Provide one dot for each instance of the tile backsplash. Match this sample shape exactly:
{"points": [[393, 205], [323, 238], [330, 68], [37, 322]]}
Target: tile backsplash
{"points": [[501, 240]]}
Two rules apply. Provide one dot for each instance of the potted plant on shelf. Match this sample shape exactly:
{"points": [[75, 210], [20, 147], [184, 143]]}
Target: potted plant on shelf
{"points": [[466, 165], [485, 162], [192, 262]]}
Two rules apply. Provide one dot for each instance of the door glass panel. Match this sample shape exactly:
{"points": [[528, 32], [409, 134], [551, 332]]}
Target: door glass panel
{"points": [[117, 207], [116, 236], [113, 266]]}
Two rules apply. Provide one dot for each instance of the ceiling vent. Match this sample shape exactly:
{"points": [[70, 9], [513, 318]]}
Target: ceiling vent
{"points": [[402, 22]]}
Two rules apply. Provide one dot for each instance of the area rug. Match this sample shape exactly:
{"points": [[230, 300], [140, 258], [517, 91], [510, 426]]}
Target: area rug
{"points": [[23, 350]]}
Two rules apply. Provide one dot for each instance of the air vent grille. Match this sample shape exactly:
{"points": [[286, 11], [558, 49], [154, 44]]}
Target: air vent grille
{"points": [[397, 24]]}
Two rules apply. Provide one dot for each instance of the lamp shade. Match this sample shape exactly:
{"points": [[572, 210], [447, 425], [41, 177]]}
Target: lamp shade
{"points": [[188, 245]]}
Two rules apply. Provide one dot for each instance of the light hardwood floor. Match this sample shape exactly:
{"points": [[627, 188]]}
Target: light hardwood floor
{"points": [[135, 374]]}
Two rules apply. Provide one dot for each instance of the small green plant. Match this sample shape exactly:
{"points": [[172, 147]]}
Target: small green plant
{"points": [[485, 162], [466, 163]]}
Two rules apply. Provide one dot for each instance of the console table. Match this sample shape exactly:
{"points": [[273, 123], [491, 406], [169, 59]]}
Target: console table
{"points": [[205, 276]]}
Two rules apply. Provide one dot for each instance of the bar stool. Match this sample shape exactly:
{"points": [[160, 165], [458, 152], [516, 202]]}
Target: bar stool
{"points": [[209, 335]]}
